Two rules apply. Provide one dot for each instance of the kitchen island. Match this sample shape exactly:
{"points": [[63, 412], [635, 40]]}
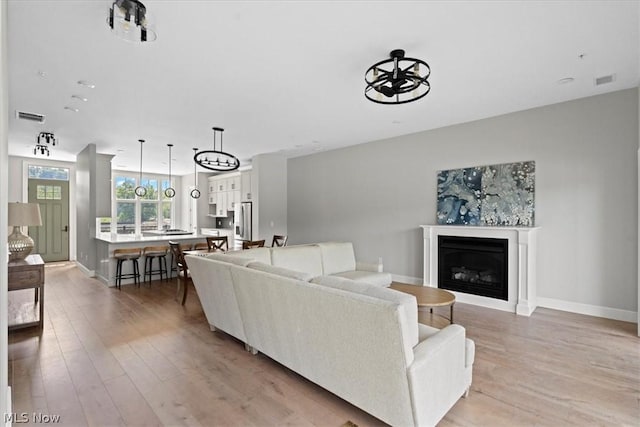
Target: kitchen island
{"points": [[106, 243]]}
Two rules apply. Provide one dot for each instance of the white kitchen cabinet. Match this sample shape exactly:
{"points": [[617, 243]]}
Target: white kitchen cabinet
{"points": [[212, 189], [233, 184], [233, 200], [245, 186], [225, 193], [221, 203]]}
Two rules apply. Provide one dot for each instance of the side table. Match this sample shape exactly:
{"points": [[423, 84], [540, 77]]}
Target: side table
{"points": [[28, 274]]}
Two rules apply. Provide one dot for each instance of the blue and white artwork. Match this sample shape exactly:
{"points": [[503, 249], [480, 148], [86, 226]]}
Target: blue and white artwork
{"points": [[499, 195]]}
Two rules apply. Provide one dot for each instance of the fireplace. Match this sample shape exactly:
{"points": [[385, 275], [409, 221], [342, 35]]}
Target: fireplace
{"points": [[474, 265], [520, 270]]}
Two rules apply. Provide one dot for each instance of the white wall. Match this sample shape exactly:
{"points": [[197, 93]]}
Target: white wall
{"points": [[4, 166], [376, 194]]}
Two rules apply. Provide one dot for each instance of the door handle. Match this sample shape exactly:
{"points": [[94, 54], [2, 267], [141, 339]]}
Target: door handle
{"points": [[65, 228]]}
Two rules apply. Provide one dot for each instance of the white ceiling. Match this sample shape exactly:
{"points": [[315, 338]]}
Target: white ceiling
{"points": [[289, 76]]}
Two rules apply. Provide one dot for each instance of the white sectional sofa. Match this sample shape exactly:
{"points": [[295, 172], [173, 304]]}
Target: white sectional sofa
{"points": [[361, 341]]}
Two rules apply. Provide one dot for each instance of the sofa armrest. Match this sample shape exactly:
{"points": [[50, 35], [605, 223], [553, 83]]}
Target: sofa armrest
{"points": [[437, 376], [369, 266]]}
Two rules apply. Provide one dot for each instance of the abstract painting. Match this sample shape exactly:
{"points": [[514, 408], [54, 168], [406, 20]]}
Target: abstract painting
{"points": [[495, 195]]}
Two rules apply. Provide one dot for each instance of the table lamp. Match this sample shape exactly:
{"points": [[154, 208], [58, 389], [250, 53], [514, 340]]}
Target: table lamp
{"points": [[20, 215]]}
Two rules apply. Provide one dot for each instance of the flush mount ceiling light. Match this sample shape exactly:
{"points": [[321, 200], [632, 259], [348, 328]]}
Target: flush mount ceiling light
{"points": [[127, 19], [217, 160], [43, 141], [195, 193], [140, 190], [397, 80], [170, 192]]}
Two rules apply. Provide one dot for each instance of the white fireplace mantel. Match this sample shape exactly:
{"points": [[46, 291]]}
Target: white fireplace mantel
{"points": [[521, 264]]}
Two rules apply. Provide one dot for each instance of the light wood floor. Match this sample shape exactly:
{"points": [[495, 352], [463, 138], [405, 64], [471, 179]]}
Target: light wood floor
{"points": [[136, 357]]}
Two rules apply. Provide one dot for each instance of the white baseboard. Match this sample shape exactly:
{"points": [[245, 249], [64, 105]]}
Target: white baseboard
{"points": [[591, 310], [85, 270], [407, 279]]}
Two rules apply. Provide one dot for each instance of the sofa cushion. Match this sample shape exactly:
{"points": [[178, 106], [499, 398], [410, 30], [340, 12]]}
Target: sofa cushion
{"points": [[377, 279], [307, 258], [337, 257], [280, 271], [408, 302], [237, 260], [257, 254]]}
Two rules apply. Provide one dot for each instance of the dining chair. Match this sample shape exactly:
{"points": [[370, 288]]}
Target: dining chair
{"points": [[218, 243], [249, 244], [183, 270], [279, 240], [200, 246]]}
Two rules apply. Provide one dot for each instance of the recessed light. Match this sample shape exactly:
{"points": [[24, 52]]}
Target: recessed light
{"points": [[42, 74], [315, 141], [119, 150], [396, 122], [121, 166], [565, 80], [75, 110], [79, 98], [86, 84], [298, 145]]}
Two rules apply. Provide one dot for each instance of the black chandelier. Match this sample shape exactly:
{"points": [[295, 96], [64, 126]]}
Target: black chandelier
{"points": [[397, 80], [217, 160], [127, 19], [43, 140]]}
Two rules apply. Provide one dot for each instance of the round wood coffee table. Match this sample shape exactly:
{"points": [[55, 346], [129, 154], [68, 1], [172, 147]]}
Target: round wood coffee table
{"points": [[428, 296]]}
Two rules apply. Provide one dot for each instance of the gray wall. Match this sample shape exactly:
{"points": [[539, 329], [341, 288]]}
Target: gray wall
{"points": [[377, 194], [269, 191], [93, 199]]}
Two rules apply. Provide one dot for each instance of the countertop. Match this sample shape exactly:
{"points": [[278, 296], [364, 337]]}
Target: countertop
{"points": [[133, 238]]}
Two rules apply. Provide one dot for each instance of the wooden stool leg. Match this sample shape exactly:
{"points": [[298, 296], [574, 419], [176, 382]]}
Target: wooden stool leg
{"points": [[118, 273]]}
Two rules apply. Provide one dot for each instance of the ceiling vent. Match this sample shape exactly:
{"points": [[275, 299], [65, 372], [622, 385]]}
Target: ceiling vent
{"points": [[603, 80], [34, 117]]}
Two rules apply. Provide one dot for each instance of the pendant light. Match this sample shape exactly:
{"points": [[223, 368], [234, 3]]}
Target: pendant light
{"points": [[170, 192], [140, 190], [220, 160], [195, 193]]}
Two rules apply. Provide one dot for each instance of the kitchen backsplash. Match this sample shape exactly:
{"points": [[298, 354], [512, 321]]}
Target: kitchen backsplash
{"points": [[225, 222]]}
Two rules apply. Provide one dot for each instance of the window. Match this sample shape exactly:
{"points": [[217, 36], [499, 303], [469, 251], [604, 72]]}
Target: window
{"points": [[139, 214], [49, 192], [48, 172]]}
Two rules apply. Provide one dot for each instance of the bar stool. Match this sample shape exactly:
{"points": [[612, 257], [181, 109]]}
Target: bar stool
{"points": [[150, 253], [129, 254]]}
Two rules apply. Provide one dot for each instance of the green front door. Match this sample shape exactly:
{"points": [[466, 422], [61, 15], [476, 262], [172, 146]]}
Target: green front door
{"points": [[52, 238]]}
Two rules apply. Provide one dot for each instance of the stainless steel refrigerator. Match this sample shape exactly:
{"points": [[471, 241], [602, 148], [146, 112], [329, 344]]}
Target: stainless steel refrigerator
{"points": [[242, 224]]}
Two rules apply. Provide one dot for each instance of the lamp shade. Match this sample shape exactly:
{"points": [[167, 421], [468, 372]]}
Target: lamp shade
{"points": [[24, 214]]}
